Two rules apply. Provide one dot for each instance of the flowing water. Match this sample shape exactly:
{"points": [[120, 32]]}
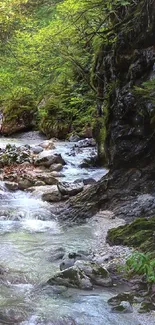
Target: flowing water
{"points": [[29, 236]]}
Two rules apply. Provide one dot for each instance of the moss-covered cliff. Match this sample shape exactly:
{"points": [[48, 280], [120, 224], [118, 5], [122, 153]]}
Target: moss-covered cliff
{"points": [[122, 65], [125, 63]]}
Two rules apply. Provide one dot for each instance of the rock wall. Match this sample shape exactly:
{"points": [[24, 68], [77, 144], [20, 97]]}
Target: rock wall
{"points": [[121, 65]]}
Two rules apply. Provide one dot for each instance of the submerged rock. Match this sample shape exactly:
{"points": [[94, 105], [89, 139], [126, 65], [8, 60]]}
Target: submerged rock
{"points": [[57, 254], [60, 321]]}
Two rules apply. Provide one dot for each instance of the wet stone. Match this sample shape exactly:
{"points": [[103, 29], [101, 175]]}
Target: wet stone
{"points": [[56, 167], [70, 189], [123, 307], [57, 254], [123, 296], [12, 186], [37, 149], [146, 307]]}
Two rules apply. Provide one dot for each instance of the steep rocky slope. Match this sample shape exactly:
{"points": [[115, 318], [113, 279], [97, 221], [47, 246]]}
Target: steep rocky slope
{"points": [[127, 61]]}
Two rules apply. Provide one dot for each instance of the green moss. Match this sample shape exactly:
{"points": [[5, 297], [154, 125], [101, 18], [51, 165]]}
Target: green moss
{"points": [[139, 233], [18, 110]]}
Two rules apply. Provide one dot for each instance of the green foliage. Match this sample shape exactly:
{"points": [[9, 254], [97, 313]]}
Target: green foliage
{"points": [[47, 50], [142, 264]]}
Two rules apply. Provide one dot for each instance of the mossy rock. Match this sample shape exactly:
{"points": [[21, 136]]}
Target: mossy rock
{"points": [[146, 307], [122, 296], [139, 233]]}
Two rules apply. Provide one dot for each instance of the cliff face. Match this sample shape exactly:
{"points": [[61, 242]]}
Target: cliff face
{"points": [[120, 66], [129, 144]]}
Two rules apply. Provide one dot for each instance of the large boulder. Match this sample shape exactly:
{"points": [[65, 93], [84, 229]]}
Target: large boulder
{"points": [[71, 189], [83, 275], [47, 158], [47, 193], [72, 277], [17, 119]]}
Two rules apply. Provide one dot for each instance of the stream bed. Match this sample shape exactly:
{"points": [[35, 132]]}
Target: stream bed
{"points": [[29, 235]]}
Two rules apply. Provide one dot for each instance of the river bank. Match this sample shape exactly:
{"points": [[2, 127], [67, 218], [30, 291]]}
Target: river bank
{"points": [[31, 233]]}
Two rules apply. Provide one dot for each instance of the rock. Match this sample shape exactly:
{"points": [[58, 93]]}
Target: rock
{"points": [[72, 277], [123, 296], [49, 193], [66, 264], [83, 275], [146, 307], [12, 154], [24, 184], [12, 186], [86, 143], [89, 162], [58, 289], [70, 189], [103, 259], [97, 273], [71, 258], [48, 179], [123, 307], [56, 167], [9, 315], [13, 123], [57, 254], [47, 158], [47, 144], [74, 138], [37, 149], [89, 181], [139, 233], [57, 174], [39, 183]]}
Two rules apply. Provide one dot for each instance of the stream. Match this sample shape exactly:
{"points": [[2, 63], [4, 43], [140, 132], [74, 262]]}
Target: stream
{"points": [[29, 235]]}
